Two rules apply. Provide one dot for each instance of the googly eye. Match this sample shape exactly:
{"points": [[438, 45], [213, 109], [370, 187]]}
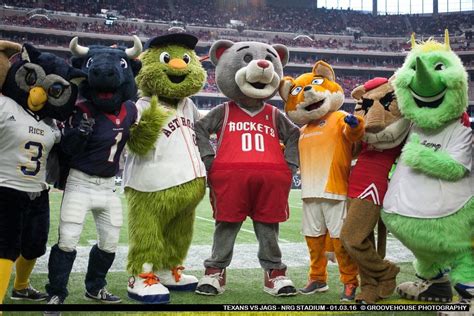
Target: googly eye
{"points": [[317, 81], [248, 58], [30, 77], [165, 57], [123, 63], [296, 90], [186, 58], [440, 66], [55, 90], [89, 62]]}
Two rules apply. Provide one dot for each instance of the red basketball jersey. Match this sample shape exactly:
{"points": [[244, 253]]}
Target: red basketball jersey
{"points": [[249, 140]]}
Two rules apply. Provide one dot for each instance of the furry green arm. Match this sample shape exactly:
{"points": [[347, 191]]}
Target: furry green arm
{"points": [[438, 164], [144, 135]]}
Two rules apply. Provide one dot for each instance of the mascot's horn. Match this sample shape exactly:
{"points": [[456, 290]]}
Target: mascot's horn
{"points": [[446, 39], [76, 49], [136, 50]]}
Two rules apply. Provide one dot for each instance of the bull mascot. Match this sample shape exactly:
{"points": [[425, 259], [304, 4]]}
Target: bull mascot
{"points": [[94, 138]]}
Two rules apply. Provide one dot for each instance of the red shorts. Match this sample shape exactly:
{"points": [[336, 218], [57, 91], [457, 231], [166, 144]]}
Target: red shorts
{"points": [[260, 194]]}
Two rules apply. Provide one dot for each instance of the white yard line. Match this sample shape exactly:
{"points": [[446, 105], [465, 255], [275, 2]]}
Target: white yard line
{"points": [[242, 229]]}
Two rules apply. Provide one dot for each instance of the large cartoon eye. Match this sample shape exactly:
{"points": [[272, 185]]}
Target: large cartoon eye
{"points": [[30, 77], [317, 81], [386, 100], [248, 58], [440, 66], [123, 63], [165, 57], [269, 58], [89, 62], [186, 58], [56, 89], [296, 90]]}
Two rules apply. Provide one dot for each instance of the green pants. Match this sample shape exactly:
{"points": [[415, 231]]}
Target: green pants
{"points": [[160, 225], [438, 244]]}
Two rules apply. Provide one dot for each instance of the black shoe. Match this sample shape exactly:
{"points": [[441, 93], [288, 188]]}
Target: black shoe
{"points": [[103, 296], [28, 294], [54, 300], [313, 287]]}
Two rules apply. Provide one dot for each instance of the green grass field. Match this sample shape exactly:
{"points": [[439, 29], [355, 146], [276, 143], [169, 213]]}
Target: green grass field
{"points": [[243, 286]]}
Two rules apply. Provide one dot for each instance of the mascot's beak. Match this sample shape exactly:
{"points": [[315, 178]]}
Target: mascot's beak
{"points": [[177, 63], [37, 98]]}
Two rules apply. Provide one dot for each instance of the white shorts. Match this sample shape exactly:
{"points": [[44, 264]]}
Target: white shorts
{"points": [[323, 215]]}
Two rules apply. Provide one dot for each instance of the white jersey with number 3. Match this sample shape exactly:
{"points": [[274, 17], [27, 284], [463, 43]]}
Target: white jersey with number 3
{"points": [[24, 145]]}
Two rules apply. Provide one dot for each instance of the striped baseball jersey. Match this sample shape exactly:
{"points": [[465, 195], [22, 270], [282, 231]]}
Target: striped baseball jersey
{"points": [[325, 148], [24, 145], [175, 158]]}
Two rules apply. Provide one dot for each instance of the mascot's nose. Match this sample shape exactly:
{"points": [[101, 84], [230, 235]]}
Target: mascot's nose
{"points": [[263, 64], [307, 88], [177, 63], [37, 98]]}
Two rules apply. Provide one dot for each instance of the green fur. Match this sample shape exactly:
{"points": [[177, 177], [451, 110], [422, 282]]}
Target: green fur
{"points": [[153, 79], [144, 135], [453, 78], [438, 164], [438, 243], [161, 225]]}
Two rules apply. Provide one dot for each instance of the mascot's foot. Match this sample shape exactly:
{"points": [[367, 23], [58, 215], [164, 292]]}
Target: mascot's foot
{"points": [[212, 283], [175, 280], [387, 284], [277, 284], [434, 290], [367, 295], [146, 287]]}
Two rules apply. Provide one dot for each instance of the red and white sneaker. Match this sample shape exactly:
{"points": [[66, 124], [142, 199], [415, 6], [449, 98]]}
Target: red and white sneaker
{"points": [[146, 287], [212, 283], [277, 284], [175, 280]]}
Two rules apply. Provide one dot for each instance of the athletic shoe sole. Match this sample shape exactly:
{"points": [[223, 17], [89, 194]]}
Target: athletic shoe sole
{"points": [[184, 288], [423, 299], [16, 298], [150, 299], [270, 291], [318, 290]]}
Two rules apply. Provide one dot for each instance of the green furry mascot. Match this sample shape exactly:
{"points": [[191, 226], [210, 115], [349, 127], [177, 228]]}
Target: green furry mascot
{"points": [[429, 205], [164, 175]]}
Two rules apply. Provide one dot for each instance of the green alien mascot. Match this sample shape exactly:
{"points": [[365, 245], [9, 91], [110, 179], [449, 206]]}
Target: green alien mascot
{"points": [[164, 176], [429, 205]]}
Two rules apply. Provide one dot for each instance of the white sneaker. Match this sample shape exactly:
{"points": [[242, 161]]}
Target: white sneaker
{"points": [[175, 280], [277, 284], [146, 287], [212, 283]]}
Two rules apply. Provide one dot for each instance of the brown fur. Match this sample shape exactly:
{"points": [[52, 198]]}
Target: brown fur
{"points": [[7, 49]]}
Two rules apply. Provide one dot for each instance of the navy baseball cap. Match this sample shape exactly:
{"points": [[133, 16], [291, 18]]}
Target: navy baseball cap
{"points": [[185, 39]]}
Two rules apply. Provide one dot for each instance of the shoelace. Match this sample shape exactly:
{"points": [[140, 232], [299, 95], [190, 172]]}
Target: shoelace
{"points": [[104, 293], [150, 278], [279, 278], [217, 275], [176, 272], [30, 288]]}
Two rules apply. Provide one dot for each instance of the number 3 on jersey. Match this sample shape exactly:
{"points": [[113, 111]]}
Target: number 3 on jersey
{"points": [[113, 149], [36, 151], [248, 144]]}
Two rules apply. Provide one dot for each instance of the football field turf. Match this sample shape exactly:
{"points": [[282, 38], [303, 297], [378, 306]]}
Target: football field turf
{"points": [[244, 286]]}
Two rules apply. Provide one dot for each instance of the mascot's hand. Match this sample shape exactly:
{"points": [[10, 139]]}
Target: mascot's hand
{"points": [[208, 162], [351, 120], [411, 150], [86, 124]]}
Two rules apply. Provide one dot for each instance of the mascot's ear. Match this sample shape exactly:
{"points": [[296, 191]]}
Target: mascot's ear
{"points": [[77, 62], [9, 48], [136, 65], [324, 70], [283, 52], [29, 53], [285, 86], [217, 49], [358, 92]]}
